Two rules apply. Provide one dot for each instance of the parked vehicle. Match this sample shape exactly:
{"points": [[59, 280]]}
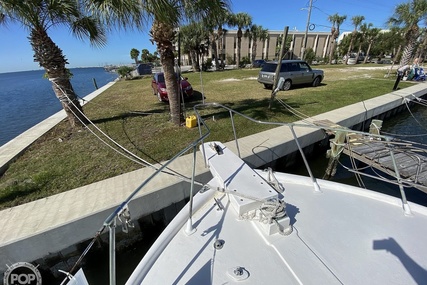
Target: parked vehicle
{"points": [[144, 68], [294, 72], [258, 63], [159, 86], [354, 58]]}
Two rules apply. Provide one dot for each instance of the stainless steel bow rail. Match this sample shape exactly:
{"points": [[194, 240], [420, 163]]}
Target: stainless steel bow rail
{"points": [[334, 129], [123, 214]]}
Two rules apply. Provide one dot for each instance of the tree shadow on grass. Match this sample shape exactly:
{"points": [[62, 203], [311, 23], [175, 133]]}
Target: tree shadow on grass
{"points": [[196, 98], [254, 108], [129, 114], [257, 109], [20, 189], [302, 86]]}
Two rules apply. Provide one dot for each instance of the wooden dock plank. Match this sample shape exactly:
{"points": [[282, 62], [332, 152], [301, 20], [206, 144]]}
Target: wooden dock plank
{"points": [[366, 148], [378, 155], [412, 166]]}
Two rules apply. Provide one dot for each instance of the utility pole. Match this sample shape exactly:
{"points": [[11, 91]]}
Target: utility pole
{"points": [[306, 30]]}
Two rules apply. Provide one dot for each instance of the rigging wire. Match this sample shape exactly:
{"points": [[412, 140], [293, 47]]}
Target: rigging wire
{"points": [[125, 152], [295, 112]]}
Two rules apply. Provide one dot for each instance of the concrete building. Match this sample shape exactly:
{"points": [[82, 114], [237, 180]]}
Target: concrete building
{"points": [[268, 49]]}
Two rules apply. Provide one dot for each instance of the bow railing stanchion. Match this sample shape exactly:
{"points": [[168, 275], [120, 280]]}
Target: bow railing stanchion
{"points": [[419, 166], [234, 133], [307, 166], [190, 229], [112, 253], [110, 222], [405, 204]]}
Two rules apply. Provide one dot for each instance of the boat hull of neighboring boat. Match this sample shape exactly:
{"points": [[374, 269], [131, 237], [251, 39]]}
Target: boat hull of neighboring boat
{"points": [[337, 234]]}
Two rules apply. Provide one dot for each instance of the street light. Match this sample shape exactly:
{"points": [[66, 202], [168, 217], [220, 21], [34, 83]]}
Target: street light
{"points": [[306, 29]]}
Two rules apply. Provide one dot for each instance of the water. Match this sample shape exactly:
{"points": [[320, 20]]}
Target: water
{"points": [[26, 98], [410, 125]]}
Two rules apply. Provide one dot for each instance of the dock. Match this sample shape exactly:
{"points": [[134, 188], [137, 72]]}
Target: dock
{"points": [[410, 159]]}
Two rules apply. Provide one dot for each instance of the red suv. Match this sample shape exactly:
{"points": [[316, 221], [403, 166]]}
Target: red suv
{"points": [[159, 87]]}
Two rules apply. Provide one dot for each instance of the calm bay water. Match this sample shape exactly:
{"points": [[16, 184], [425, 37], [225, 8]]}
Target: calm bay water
{"points": [[26, 98]]}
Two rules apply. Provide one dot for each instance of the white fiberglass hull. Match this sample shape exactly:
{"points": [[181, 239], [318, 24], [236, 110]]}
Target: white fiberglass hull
{"points": [[341, 235]]}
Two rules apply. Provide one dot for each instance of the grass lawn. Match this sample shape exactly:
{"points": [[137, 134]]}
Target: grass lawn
{"points": [[130, 114]]}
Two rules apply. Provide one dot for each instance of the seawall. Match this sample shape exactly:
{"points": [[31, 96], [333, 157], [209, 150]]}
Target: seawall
{"points": [[53, 228]]}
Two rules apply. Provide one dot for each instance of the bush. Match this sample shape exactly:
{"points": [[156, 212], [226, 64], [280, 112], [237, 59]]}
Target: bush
{"points": [[245, 61], [124, 71], [309, 55], [206, 65], [229, 60]]}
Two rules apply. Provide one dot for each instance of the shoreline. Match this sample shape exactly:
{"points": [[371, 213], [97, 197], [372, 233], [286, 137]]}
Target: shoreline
{"points": [[15, 147]]}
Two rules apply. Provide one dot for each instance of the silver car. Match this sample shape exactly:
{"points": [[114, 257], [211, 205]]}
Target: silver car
{"points": [[294, 72]]}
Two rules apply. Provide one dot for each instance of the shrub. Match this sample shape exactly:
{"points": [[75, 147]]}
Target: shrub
{"points": [[124, 71], [245, 60], [310, 55], [206, 65]]}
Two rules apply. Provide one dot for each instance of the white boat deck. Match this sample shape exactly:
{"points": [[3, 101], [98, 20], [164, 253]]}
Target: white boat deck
{"points": [[343, 235]]}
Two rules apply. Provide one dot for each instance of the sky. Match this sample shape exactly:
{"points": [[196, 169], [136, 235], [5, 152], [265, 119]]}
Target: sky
{"points": [[16, 53]]}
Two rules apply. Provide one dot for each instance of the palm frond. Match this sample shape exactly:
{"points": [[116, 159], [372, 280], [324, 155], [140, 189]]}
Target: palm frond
{"points": [[91, 28], [127, 14]]}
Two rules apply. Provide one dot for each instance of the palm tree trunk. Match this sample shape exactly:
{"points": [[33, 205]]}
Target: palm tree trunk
{"points": [[407, 52], [239, 45], [195, 60], [332, 51], [219, 48], [254, 47], [367, 52], [350, 47], [50, 57], [222, 46], [421, 48], [215, 51], [171, 82], [161, 34]]}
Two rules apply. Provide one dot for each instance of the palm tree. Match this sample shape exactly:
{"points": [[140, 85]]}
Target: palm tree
{"points": [[363, 35], [407, 16], [192, 37], [83, 20], [242, 21], [371, 36], [167, 15], [146, 56], [422, 47], [134, 54], [336, 21], [221, 36], [256, 33], [356, 20], [214, 25], [38, 17]]}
